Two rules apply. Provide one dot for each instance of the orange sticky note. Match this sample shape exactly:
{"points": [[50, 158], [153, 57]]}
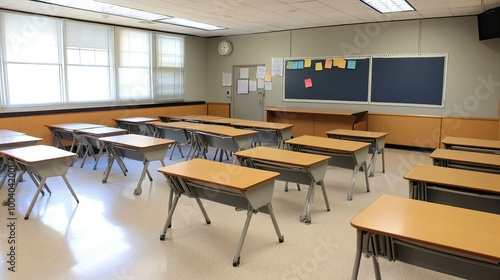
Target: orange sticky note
{"points": [[342, 63], [328, 64], [268, 77], [308, 82]]}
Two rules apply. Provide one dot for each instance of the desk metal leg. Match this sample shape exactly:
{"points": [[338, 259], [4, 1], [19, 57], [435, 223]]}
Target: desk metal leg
{"points": [[170, 214], [138, 189], [357, 259], [38, 190], [305, 217], [353, 179], [281, 238], [70, 188], [325, 195], [236, 259]]}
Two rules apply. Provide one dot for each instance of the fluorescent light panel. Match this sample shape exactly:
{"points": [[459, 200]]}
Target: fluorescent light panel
{"points": [[389, 6], [104, 8]]}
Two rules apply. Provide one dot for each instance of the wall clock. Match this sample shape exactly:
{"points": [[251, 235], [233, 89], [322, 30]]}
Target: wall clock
{"points": [[225, 47]]}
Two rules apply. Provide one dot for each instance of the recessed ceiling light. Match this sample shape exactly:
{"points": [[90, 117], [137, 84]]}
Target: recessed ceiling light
{"points": [[389, 6], [108, 9]]}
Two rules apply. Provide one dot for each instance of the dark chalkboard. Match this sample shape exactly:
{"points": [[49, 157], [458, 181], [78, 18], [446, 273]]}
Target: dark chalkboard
{"points": [[416, 80], [408, 80], [329, 84]]}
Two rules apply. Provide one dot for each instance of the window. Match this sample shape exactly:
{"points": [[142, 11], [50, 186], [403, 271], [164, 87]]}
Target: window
{"points": [[89, 51], [49, 62], [32, 62]]}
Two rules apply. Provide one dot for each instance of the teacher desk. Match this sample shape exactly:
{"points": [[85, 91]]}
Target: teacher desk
{"points": [[41, 162], [466, 160], [377, 140], [344, 154], [315, 121], [301, 168], [452, 240], [136, 147], [228, 184], [462, 188]]}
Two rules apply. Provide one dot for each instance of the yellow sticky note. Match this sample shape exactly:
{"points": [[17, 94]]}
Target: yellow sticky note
{"points": [[307, 63], [319, 66], [268, 77], [342, 63], [336, 61]]}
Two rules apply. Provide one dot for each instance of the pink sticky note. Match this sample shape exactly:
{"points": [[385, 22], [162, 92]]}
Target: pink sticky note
{"points": [[308, 82]]}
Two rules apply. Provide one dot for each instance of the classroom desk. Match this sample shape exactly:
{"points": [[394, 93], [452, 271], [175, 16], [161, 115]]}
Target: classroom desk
{"points": [[188, 118], [377, 140], [228, 184], [344, 154], [300, 168], [223, 138], [41, 162], [472, 144], [452, 240], [462, 188], [90, 138], [174, 131], [269, 132], [136, 147], [66, 131], [135, 125], [315, 121], [466, 160], [8, 132], [12, 142]]}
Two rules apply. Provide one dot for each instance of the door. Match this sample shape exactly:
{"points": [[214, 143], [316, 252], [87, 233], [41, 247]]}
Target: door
{"points": [[248, 95]]}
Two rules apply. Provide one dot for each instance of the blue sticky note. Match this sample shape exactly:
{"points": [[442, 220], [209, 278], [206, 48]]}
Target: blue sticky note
{"points": [[351, 64], [300, 65], [295, 65]]}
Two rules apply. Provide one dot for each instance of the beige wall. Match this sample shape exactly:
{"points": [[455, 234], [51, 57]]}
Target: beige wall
{"points": [[473, 77]]}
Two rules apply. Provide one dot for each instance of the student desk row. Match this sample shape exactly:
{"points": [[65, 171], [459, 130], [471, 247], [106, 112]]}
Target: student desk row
{"points": [[471, 144], [228, 184], [452, 240], [483, 162], [462, 188]]}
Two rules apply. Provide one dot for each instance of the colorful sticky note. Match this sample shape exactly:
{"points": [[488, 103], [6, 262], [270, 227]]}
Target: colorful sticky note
{"points": [[295, 64], [342, 63], [268, 77], [307, 63], [328, 64], [300, 65], [319, 66], [308, 82], [351, 64], [336, 61], [289, 64]]}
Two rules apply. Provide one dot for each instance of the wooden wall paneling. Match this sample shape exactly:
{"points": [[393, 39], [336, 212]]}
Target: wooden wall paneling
{"points": [[324, 123], [470, 128], [408, 130], [219, 109], [302, 123]]}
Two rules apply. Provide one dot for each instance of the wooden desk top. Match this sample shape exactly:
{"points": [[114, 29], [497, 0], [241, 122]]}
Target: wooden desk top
{"points": [[73, 126], [179, 125], [137, 141], [37, 153], [471, 142], [466, 179], [357, 133], [102, 131], [221, 130], [457, 229], [327, 143], [200, 118], [7, 132], [263, 125], [219, 173], [315, 111], [282, 156], [223, 121], [463, 156], [18, 139], [136, 119]]}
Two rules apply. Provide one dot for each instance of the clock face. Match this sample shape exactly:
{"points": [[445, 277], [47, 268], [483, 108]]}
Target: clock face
{"points": [[225, 48]]}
